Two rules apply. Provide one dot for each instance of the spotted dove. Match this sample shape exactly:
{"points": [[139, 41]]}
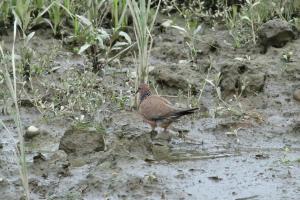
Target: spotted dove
{"points": [[158, 111]]}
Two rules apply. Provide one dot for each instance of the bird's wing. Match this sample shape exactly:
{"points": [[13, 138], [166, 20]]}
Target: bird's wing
{"points": [[156, 108], [163, 99]]}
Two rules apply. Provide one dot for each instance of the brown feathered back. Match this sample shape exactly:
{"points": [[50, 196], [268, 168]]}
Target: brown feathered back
{"points": [[157, 108]]}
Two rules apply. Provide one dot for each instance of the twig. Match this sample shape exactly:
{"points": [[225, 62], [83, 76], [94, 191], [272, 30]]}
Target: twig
{"points": [[246, 198], [203, 157]]}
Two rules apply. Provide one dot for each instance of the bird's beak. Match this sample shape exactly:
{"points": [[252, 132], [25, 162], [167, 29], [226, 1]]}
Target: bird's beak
{"points": [[137, 91]]}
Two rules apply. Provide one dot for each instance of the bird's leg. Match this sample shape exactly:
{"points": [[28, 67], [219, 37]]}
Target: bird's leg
{"points": [[165, 126], [153, 128], [153, 133]]}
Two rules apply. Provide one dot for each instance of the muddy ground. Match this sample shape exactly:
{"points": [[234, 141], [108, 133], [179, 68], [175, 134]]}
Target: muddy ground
{"points": [[248, 148]]}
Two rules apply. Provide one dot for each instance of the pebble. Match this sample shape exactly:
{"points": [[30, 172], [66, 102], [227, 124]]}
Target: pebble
{"points": [[31, 132], [297, 95]]}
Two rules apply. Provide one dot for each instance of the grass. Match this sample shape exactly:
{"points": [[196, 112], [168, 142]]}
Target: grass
{"points": [[12, 88], [141, 14]]}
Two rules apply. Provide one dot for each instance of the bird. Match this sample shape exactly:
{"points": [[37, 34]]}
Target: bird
{"points": [[158, 111]]}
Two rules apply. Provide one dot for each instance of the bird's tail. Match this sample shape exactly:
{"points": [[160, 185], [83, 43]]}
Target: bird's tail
{"points": [[185, 112], [177, 114]]}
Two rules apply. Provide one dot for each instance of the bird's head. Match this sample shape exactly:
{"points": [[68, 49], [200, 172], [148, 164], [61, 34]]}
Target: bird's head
{"points": [[144, 91]]}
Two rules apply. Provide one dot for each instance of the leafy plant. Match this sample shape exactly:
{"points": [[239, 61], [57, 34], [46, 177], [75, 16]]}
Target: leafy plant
{"points": [[99, 43]]}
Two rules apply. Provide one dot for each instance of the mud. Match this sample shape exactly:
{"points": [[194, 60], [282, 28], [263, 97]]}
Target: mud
{"points": [[247, 150]]}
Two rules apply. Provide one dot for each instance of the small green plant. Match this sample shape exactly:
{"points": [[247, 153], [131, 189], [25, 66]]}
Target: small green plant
{"points": [[26, 57], [55, 14]]}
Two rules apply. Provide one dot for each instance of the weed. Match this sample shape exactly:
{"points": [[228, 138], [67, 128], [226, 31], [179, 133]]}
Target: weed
{"points": [[76, 92], [26, 57]]}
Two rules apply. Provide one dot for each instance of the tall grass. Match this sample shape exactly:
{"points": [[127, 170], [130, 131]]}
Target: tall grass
{"points": [[12, 88], [118, 8], [141, 14]]}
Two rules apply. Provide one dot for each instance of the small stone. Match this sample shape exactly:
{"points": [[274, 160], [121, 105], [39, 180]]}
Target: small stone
{"points": [[31, 132], [167, 23], [296, 95], [3, 182], [32, 129]]}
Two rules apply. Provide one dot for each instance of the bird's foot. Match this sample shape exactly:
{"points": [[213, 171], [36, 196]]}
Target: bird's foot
{"points": [[165, 135], [170, 132], [153, 133]]}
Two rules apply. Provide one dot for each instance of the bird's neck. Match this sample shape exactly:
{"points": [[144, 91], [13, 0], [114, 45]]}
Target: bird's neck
{"points": [[145, 95]]}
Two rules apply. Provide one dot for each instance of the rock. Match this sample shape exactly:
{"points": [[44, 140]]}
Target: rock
{"points": [[275, 33], [236, 77], [169, 78], [3, 182], [296, 95], [296, 127], [178, 76], [82, 140], [169, 51], [26, 102], [254, 81], [32, 129], [292, 72], [31, 132], [205, 44]]}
